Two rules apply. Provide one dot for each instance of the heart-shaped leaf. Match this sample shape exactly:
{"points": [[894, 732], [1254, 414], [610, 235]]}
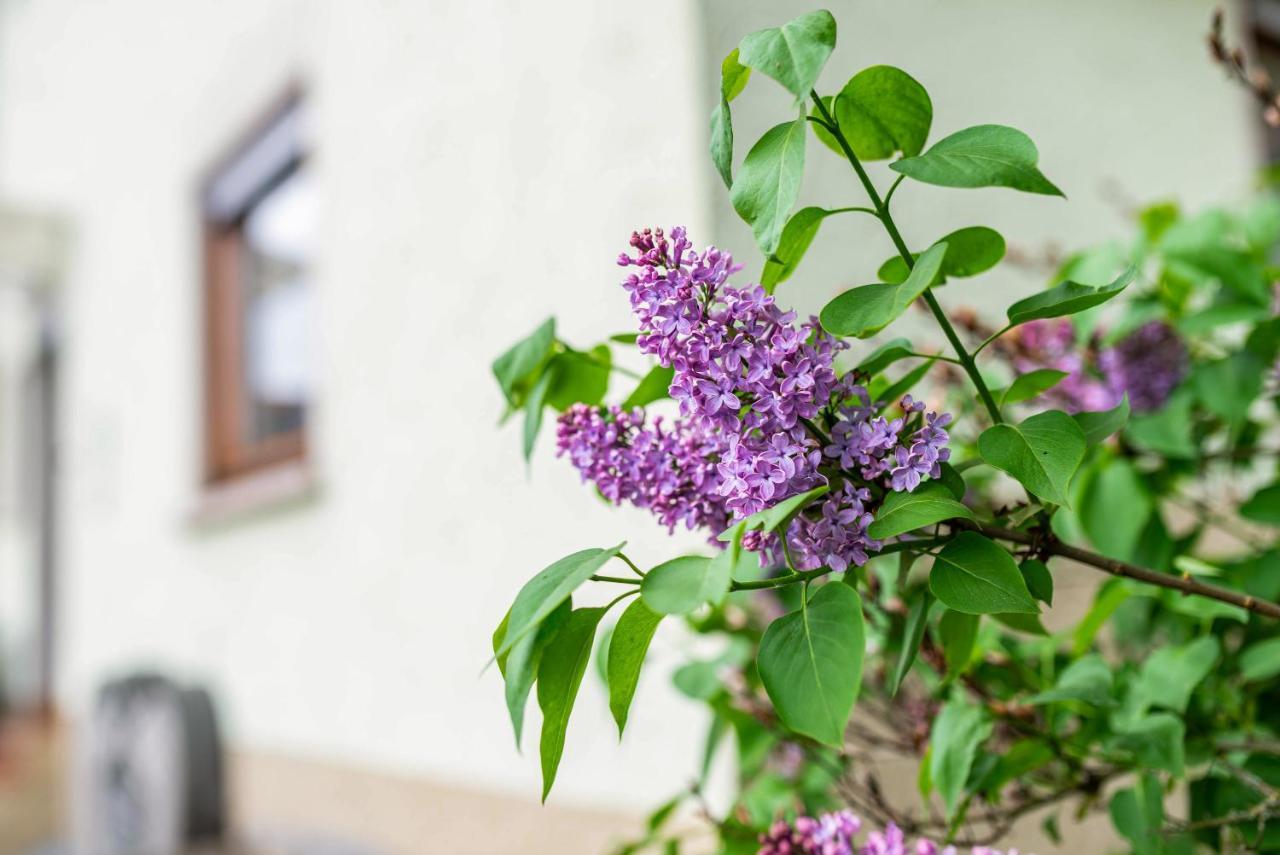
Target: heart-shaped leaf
{"points": [[1042, 453], [973, 575], [811, 663], [1099, 425], [866, 310], [794, 53], [883, 110]]}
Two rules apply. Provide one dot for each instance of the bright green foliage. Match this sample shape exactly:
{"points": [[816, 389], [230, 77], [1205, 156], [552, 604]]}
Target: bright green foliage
{"points": [[957, 633], [767, 186], [552, 586], [864, 311], [627, 648], [1042, 453], [1066, 299], [794, 53], [930, 503], [520, 664], [1115, 509], [1039, 580], [733, 79], [799, 232], [973, 575], [559, 676], [882, 110], [514, 368], [679, 586], [652, 387], [913, 633], [885, 355], [970, 251], [1097, 426], [811, 663], [981, 156], [953, 744], [1030, 385], [1087, 680]]}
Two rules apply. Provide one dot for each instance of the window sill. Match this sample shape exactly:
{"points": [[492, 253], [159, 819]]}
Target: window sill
{"points": [[254, 495]]}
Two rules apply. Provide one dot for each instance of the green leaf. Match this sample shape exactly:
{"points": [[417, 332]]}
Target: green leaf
{"points": [[514, 368], [884, 356], [1109, 598], [627, 650], [733, 78], [1167, 431], [522, 664], [768, 183], [1138, 814], [1098, 426], [957, 632], [970, 251], [811, 663], [1029, 624], [913, 633], [579, 378], [774, 517], [559, 676], [794, 53], [1228, 386], [1039, 580], [953, 481], [1260, 660], [799, 232], [1171, 674], [903, 384], [883, 110], [866, 310], [652, 387], [551, 587], [1156, 741], [957, 732], [981, 156], [972, 574], [1042, 453], [1030, 385], [533, 412], [1067, 299], [1088, 679], [679, 586], [1115, 508], [930, 503]]}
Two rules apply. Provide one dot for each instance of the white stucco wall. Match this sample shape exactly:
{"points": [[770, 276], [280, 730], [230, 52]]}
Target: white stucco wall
{"points": [[481, 163]]}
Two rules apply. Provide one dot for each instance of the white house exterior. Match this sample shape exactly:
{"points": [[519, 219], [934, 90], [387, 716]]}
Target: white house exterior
{"points": [[478, 166]]}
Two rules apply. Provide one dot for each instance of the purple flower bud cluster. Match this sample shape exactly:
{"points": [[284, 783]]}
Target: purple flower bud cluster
{"points": [[749, 381], [834, 833], [1148, 364], [666, 469]]}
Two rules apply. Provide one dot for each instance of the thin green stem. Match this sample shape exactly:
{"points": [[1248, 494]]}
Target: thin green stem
{"points": [[950, 359], [620, 580], [966, 361], [852, 209], [809, 575], [888, 197], [995, 335], [632, 565]]}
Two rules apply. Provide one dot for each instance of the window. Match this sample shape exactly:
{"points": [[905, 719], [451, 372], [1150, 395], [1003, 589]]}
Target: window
{"points": [[259, 211]]}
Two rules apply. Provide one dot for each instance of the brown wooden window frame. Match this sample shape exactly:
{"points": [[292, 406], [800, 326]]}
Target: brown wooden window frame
{"points": [[229, 454]]}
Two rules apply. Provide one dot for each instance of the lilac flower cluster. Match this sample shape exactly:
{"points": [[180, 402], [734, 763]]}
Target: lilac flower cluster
{"points": [[750, 381], [666, 469], [1148, 364], [834, 833]]}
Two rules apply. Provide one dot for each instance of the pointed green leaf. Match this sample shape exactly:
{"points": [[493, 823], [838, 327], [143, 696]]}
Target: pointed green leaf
{"points": [[1042, 453], [796, 237], [811, 663], [652, 387], [559, 676], [883, 110], [579, 378], [970, 251], [533, 411], [1029, 624], [733, 78], [953, 744], [627, 650], [1030, 385], [679, 586], [885, 355], [1088, 679], [768, 183], [1157, 742], [866, 310], [1067, 299], [794, 53], [957, 632], [774, 517], [981, 156], [551, 587], [514, 368], [973, 575], [1100, 425], [930, 503], [913, 632], [1261, 660], [522, 661], [1039, 580]]}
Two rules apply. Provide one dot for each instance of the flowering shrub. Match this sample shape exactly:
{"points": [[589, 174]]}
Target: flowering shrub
{"points": [[890, 538]]}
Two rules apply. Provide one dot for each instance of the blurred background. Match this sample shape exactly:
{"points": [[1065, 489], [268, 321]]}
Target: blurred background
{"points": [[256, 257]]}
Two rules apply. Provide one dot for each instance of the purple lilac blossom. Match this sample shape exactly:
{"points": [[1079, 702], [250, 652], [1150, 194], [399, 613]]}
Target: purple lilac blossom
{"points": [[1148, 364], [834, 833], [748, 379], [1052, 344]]}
